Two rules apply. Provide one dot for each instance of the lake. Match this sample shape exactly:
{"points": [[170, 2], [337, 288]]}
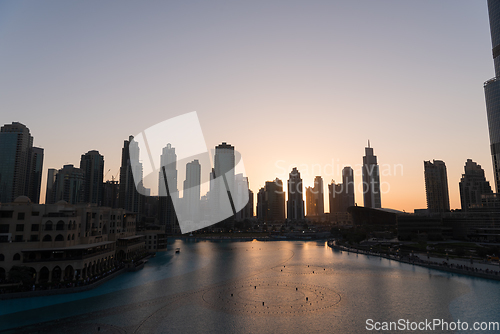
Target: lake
{"points": [[261, 287]]}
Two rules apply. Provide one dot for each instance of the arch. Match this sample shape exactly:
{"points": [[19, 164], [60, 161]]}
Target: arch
{"points": [[47, 237], [69, 237], [56, 274], [60, 226], [43, 275], [17, 257], [48, 226], [69, 273], [2, 273], [120, 255], [59, 237], [2, 257], [33, 273]]}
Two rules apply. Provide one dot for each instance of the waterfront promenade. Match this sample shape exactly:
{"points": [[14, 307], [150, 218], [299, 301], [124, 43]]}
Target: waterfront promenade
{"points": [[453, 265]]}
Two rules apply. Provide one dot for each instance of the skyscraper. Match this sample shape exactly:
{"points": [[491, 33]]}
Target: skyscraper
{"points": [[128, 197], [341, 195], [35, 174], [223, 178], [166, 211], [371, 180], [271, 202], [492, 91], [295, 203], [472, 185], [51, 180], [348, 187], [241, 186], [92, 165], [69, 185], [191, 190], [436, 186], [19, 176], [315, 198]]}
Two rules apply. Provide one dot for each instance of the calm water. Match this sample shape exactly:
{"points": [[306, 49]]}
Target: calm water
{"points": [[221, 287]]}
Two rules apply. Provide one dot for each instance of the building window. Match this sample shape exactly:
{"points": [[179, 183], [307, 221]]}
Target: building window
{"points": [[34, 237], [18, 238], [2, 257], [20, 216], [17, 257], [35, 213], [19, 227], [35, 227], [5, 214], [4, 228]]}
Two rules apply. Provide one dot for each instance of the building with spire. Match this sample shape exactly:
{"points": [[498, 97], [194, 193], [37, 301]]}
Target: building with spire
{"points": [[371, 180], [128, 197]]}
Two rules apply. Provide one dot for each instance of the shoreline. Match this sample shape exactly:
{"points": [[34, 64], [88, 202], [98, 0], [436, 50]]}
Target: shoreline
{"points": [[446, 268]]}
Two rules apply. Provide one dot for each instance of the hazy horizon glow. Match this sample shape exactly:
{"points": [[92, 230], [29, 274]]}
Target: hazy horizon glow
{"points": [[288, 83]]}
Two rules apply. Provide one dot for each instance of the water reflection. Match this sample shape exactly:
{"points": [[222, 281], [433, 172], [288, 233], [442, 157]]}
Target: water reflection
{"points": [[208, 287]]}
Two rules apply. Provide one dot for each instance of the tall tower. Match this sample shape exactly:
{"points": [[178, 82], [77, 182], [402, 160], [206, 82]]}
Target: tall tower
{"points": [[35, 174], [472, 185], [51, 180], [128, 197], [16, 169], [92, 165], [492, 91], [315, 198], [224, 163], [271, 202], [295, 203], [436, 186], [167, 216], [191, 190], [371, 180], [69, 185], [348, 186]]}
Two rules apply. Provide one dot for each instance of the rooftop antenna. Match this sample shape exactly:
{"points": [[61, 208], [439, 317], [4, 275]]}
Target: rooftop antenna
{"points": [[368, 143]]}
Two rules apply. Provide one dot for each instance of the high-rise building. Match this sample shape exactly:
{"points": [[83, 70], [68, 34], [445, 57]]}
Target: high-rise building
{"points": [[271, 202], [492, 91], [371, 180], [166, 211], [19, 175], [69, 185], [336, 197], [241, 186], [315, 198], [436, 186], [128, 197], [192, 190], [92, 165], [110, 194], [348, 187], [35, 174], [223, 178], [295, 203], [472, 186], [51, 180]]}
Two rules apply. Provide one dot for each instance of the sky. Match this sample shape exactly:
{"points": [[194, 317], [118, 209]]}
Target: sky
{"points": [[288, 83]]}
